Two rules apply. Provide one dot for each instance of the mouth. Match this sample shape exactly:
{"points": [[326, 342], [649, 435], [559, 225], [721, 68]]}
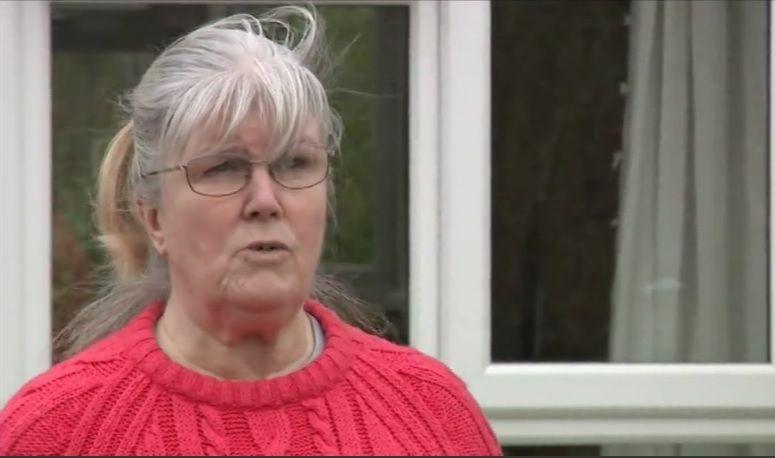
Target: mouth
{"points": [[267, 246]]}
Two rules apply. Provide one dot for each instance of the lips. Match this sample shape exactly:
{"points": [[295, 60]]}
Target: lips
{"points": [[267, 246]]}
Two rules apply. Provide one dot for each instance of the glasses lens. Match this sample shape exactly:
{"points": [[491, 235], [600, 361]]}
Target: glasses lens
{"points": [[218, 174], [301, 167]]}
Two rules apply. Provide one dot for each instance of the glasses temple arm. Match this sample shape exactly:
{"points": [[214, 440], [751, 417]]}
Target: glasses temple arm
{"points": [[169, 169]]}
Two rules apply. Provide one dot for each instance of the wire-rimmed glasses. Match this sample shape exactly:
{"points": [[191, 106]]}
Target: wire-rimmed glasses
{"points": [[225, 173]]}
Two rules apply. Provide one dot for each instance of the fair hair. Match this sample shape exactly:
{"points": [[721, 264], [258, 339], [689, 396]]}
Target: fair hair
{"points": [[268, 66]]}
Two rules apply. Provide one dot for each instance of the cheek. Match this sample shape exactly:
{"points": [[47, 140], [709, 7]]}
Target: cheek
{"points": [[310, 223], [195, 228]]}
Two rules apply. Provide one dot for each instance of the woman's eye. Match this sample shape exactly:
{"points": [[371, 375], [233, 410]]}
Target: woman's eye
{"points": [[299, 162], [295, 162], [230, 165]]}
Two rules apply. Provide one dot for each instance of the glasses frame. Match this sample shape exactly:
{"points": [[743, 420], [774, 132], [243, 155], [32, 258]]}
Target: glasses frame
{"points": [[185, 165]]}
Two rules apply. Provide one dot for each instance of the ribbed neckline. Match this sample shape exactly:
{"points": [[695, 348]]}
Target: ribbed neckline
{"points": [[305, 383]]}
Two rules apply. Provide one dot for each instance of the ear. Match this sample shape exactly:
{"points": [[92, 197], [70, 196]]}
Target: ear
{"points": [[149, 216]]}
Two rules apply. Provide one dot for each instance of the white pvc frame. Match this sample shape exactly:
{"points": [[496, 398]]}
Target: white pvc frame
{"points": [[25, 193], [424, 160]]}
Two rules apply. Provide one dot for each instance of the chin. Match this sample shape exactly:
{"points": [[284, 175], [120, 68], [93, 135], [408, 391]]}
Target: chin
{"points": [[262, 302], [263, 291], [263, 294]]}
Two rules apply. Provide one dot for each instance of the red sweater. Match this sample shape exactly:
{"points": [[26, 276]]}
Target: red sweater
{"points": [[363, 395]]}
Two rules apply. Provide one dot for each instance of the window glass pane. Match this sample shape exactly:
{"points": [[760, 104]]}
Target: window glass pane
{"points": [[101, 50], [629, 150]]}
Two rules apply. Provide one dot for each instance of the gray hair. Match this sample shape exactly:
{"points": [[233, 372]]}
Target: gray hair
{"points": [[210, 78]]}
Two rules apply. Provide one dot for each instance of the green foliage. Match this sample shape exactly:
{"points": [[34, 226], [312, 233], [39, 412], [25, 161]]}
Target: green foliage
{"points": [[352, 97]]}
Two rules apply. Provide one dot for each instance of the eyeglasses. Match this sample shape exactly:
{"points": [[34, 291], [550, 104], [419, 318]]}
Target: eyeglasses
{"points": [[223, 174]]}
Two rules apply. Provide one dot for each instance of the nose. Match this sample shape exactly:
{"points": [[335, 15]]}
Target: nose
{"points": [[262, 200]]}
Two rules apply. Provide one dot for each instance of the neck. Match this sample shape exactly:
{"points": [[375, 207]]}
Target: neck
{"points": [[204, 347]]}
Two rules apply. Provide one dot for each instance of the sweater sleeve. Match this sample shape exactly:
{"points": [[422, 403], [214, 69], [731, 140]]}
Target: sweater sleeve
{"points": [[40, 418], [453, 405]]}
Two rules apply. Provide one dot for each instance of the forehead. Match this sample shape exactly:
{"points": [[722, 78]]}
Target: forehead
{"points": [[252, 134]]}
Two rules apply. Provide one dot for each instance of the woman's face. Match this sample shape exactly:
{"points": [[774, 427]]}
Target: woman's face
{"points": [[251, 251]]}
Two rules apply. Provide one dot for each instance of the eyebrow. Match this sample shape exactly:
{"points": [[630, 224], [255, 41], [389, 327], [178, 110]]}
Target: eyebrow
{"points": [[232, 149], [309, 141], [241, 151], [306, 139]]}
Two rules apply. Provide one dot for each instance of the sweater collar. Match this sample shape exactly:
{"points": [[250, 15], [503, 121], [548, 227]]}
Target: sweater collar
{"points": [[308, 382]]}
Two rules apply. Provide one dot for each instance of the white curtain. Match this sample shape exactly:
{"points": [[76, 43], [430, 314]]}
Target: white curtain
{"points": [[690, 283]]}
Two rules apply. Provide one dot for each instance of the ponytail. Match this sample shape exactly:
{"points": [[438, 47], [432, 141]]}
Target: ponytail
{"points": [[121, 233]]}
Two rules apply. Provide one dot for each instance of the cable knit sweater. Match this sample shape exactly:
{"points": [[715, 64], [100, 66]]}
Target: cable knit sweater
{"points": [[362, 396]]}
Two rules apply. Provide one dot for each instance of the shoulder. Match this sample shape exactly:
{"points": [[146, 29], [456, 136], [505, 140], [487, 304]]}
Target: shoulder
{"points": [[40, 418], [439, 391], [407, 362]]}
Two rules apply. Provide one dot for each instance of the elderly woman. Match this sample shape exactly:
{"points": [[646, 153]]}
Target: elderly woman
{"points": [[212, 202]]}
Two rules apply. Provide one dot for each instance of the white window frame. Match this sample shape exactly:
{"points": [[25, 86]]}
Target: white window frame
{"points": [[559, 403], [25, 193], [449, 227]]}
